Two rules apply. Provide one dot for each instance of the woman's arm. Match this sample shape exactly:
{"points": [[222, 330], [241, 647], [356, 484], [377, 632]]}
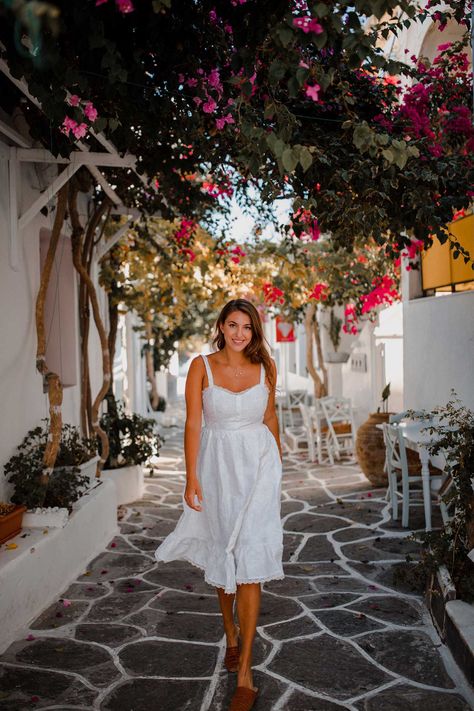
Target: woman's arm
{"points": [[270, 417], [192, 431]]}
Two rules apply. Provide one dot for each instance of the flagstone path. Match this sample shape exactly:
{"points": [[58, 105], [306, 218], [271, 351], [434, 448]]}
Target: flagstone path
{"points": [[337, 633]]}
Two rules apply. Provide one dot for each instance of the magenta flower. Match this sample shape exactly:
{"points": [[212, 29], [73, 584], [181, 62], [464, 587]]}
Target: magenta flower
{"points": [[312, 92], [308, 24], [68, 125], [74, 100], [124, 6], [80, 130], [90, 111], [210, 106]]}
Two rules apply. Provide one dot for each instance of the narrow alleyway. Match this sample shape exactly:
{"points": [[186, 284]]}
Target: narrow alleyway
{"points": [[132, 635]]}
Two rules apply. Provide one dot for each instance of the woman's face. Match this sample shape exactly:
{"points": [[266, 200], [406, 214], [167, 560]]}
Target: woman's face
{"points": [[237, 330]]}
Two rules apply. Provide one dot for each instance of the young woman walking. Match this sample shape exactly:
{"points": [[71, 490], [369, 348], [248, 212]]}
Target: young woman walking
{"points": [[231, 525]]}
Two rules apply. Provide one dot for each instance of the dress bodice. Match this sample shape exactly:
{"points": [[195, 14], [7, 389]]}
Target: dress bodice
{"points": [[227, 410]]}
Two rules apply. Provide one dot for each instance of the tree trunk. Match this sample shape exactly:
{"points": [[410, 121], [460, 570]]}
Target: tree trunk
{"points": [[150, 367], [76, 241], [312, 331], [52, 380]]}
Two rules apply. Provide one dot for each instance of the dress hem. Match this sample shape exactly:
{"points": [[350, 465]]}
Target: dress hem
{"points": [[237, 582]]}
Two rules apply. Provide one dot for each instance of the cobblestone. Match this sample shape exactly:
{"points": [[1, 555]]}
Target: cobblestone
{"points": [[337, 633]]}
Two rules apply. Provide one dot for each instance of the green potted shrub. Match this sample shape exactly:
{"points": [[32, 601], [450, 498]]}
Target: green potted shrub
{"points": [[334, 331], [74, 472], [133, 440]]}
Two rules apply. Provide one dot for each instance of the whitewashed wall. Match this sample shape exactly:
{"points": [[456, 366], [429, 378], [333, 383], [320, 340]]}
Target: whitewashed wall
{"points": [[22, 401], [439, 349]]}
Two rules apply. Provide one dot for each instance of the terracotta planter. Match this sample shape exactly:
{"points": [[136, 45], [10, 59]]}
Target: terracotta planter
{"points": [[10, 524], [370, 448]]}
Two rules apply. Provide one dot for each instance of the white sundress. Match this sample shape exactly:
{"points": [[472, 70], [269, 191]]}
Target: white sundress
{"points": [[237, 537]]}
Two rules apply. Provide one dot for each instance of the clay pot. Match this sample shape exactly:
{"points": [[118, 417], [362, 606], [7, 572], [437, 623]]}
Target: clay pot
{"points": [[10, 524], [370, 448]]}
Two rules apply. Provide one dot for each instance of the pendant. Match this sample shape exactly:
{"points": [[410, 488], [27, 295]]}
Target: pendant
{"points": [[238, 372]]}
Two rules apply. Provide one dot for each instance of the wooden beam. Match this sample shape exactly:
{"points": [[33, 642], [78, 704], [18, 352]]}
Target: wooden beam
{"points": [[39, 155], [103, 248], [13, 134], [48, 194]]}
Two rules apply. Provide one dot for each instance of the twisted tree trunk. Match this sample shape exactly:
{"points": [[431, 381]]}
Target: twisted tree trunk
{"points": [[150, 366], [87, 252], [50, 379], [312, 331], [76, 242]]}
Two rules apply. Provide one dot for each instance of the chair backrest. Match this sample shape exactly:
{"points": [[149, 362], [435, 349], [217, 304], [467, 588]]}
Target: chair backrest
{"points": [[296, 397], [306, 416], [337, 409], [394, 446]]}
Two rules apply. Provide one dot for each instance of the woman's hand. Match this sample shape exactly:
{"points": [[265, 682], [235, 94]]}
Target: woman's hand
{"points": [[193, 489]]}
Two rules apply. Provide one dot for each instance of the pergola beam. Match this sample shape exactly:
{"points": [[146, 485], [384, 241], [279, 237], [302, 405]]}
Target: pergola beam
{"points": [[39, 155], [48, 194], [13, 135], [105, 246]]}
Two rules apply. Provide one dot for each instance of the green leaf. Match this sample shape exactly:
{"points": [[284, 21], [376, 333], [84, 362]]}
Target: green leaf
{"points": [[289, 160], [285, 35], [388, 155], [277, 71], [305, 158]]}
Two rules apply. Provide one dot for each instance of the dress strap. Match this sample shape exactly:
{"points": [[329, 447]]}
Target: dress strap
{"points": [[262, 374], [208, 370]]}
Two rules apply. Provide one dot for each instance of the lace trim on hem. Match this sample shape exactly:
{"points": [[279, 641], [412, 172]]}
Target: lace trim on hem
{"points": [[238, 582]]}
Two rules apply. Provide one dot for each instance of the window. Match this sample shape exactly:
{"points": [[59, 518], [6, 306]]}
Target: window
{"points": [[440, 272]]}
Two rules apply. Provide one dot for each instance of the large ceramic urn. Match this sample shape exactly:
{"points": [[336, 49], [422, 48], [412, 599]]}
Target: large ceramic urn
{"points": [[370, 448]]}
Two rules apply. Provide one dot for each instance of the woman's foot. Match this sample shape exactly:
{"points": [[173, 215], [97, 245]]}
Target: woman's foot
{"points": [[232, 652], [245, 678], [232, 636]]}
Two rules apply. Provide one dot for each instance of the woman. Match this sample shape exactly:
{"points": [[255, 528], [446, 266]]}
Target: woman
{"points": [[231, 525]]}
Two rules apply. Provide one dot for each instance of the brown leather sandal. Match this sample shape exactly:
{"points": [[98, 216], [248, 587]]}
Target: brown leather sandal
{"points": [[231, 659], [243, 699]]}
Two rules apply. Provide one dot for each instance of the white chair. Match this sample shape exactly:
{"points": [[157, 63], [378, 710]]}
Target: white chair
{"points": [[339, 420], [398, 467], [294, 399], [321, 431]]}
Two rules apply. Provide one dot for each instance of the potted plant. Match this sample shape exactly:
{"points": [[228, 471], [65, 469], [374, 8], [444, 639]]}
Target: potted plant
{"points": [[73, 473], [370, 448], [133, 440], [11, 516], [334, 330]]}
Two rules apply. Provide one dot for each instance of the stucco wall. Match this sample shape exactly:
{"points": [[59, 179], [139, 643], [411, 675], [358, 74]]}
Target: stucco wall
{"points": [[439, 349], [22, 401]]}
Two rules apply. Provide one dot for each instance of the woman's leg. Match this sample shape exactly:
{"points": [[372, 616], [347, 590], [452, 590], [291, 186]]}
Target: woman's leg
{"points": [[248, 608], [226, 602]]}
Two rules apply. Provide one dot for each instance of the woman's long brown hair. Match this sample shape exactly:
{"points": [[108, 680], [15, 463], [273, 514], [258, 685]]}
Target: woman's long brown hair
{"points": [[256, 351]]}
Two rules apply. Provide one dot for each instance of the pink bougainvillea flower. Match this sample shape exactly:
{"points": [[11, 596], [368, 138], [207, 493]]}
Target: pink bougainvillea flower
{"points": [[68, 125], [124, 6], [74, 100], [80, 130], [210, 106], [191, 81], [308, 24], [459, 214], [67, 603], [312, 92], [197, 100], [350, 320], [272, 294], [30, 638], [444, 47], [320, 292], [90, 111], [221, 122], [384, 292]]}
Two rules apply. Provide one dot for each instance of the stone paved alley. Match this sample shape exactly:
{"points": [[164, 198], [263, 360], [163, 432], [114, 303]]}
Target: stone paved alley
{"points": [[334, 634]]}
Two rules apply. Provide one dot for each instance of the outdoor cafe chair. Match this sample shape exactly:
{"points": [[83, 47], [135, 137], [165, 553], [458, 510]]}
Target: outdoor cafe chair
{"points": [[338, 426], [400, 466]]}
